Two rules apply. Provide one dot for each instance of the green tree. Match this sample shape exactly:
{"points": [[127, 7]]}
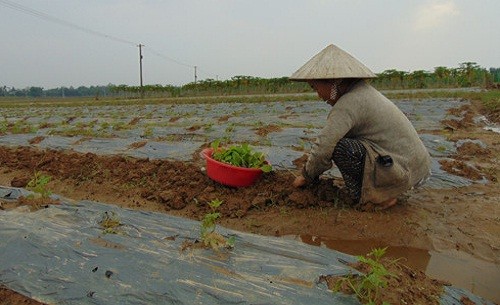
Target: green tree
{"points": [[418, 79], [443, 75], [35, 91]]}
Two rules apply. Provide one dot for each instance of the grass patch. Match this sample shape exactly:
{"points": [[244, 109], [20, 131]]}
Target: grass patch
{"points": [[490, 99], [88, 101]]}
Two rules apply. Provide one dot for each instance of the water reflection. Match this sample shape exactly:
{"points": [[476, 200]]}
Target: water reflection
{"points": [[459, 268]]}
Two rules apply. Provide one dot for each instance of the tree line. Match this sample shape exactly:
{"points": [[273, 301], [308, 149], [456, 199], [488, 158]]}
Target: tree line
{"points": [[467, 74], [95, 91]]}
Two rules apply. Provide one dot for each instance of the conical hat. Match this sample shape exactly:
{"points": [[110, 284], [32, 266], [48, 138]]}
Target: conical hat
{"points": [[332, 62]]}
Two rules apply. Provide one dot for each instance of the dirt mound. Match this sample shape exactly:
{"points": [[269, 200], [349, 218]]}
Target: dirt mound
{"points": [[174, 184], [461, 168], [469, 149], [403, 285], [466, 120], [9, 297]]}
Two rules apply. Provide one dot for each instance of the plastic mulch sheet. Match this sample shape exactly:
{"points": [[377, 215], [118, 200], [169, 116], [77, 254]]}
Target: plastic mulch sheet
{"points": [[61, 255], [178, 131]]}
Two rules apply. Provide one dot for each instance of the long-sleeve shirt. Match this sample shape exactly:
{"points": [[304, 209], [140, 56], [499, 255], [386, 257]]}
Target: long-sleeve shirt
{"points": [[365, 114]]}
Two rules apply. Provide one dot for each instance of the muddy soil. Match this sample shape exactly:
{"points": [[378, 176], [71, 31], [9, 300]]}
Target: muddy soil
{"points": [[8, 297], [399, 285], [465, 218]]}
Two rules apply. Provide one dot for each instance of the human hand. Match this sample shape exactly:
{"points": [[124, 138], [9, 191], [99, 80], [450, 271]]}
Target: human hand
{"points": [[299, 181]]}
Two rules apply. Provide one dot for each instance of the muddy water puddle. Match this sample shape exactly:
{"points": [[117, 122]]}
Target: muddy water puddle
{"points": [[458, 268]]}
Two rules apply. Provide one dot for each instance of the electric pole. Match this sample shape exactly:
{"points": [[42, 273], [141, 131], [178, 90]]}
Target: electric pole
{"points": [[140, 68], [195, 76]]}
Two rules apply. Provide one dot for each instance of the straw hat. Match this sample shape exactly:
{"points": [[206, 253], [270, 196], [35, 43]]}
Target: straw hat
{"points": [[332, 62]]}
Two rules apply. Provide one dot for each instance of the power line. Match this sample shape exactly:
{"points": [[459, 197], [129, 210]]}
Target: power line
{"points": [[208, 75], [197, 68], [169, 58], [52, 19], [46, 17]]}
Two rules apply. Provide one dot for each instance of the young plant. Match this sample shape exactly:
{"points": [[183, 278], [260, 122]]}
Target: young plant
{"points": [[3, 126], [148, 132], [209, 237], [38, 184], [241, 156], [208, 127], [230, 128], [109, 223], [367, 286], [21, 126]]}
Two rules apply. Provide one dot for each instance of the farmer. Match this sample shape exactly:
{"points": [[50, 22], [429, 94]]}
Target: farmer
{"points": [[373, 144]]}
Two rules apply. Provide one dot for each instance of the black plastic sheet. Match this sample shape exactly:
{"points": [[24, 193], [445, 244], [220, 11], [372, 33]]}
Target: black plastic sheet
{"points": [[61, 255], [298, 122]]}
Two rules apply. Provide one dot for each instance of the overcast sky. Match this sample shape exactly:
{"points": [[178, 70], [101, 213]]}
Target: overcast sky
{"points": [[53, 43]]}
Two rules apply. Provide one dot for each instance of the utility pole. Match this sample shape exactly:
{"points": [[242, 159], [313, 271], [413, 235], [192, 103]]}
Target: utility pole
{"points": [[195, 76], [140, 68]]}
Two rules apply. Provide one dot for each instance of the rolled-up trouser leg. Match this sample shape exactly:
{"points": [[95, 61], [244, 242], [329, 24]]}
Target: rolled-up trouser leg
{"points": [[349, 156]]}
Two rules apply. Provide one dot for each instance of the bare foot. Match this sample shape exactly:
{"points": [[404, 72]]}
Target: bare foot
{"points": [[370, 206], [299, 181], [387, 204]]}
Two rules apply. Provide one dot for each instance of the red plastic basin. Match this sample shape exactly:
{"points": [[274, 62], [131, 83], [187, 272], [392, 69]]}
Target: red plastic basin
{"points": [[228, 174]]}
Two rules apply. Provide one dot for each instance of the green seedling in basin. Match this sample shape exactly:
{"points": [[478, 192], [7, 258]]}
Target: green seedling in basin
{"points": [[240, 155]]}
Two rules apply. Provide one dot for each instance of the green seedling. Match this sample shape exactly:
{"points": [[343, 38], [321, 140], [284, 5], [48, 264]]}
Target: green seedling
{"points": [[208, 235], [3, 126], [441, 148], [109, 223], [38, 184], [21, 126], [104, 125], [230, 128], [208, 127], [259, 124], [367, 286], [73, 131], [241, 156], [148, 132], [119, 126], [210, 219]]}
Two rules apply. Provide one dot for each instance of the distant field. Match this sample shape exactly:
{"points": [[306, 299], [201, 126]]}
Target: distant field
{"points": [[489, 98]]}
